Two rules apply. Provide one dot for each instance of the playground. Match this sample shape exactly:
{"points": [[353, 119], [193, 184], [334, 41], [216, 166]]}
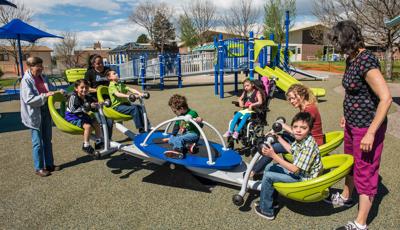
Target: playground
{"points": [[120, 191]]}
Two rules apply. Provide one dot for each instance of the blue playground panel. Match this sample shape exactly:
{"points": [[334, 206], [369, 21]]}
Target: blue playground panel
{"points": [[226, 159], [11, 91]]}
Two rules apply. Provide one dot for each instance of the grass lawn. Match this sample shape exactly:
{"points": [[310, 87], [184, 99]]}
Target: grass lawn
{"points": [[7, 82], [339, 67]]}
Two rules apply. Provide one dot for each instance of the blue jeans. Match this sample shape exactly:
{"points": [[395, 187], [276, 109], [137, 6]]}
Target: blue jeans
{"points": [[273, 173], [278, 148], [235, 120], [178, 142], [136, 111], [42, 149]]}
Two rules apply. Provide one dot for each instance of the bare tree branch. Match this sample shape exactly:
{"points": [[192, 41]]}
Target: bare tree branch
{"points": [[242, 18]]}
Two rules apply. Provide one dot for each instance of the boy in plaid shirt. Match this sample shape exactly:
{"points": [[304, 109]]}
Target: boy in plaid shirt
{"points": [[306, 165]]}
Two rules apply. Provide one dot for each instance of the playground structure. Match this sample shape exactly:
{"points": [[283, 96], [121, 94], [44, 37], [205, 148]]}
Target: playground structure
{"points": [[231, 56], [213, 160]]}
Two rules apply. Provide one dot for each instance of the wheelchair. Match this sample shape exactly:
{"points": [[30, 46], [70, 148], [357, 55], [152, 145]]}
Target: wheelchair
{"points": [[254, 128]]}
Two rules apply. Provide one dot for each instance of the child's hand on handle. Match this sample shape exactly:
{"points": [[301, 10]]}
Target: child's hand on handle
{"points": [[198, 119], [50, 93], [268, 152]]}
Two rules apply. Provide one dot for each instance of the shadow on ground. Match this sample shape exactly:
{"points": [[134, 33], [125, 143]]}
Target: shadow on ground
{"points": [[396, 100], [11, 122], [163, 175], [324, 209]]}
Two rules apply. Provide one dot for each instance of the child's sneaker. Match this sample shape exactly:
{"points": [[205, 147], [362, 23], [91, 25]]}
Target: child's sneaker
{"points": [[98, 145], [351, 225], [173, 154], [258, 211], [192, 148], [275, 204], [227, 134], [337, 200], [235, 135], [88, 149]]}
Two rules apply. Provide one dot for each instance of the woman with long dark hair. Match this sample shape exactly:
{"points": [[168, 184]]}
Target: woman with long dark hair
{"points": [[366, 103]]}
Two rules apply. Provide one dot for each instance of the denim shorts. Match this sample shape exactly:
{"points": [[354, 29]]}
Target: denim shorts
{"points": [[83, 120]]}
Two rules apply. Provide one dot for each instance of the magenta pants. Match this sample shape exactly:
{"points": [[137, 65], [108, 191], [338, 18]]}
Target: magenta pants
{"points": [[366, 164]]}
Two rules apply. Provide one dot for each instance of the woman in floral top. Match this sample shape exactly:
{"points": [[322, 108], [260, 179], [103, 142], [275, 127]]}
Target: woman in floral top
{"points": [[366, 103]]}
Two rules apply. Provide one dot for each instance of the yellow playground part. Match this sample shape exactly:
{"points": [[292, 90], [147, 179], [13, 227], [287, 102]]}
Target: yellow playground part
{"points": [[285, 80], [58, 119], [75, 74], [332, 141], [109, 112], [318, 188]]}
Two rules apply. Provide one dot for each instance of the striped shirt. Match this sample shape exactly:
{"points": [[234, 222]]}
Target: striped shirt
{"points": [[307, 158]]}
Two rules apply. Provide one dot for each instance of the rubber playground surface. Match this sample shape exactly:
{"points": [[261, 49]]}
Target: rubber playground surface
{"points": [[122, 192]]}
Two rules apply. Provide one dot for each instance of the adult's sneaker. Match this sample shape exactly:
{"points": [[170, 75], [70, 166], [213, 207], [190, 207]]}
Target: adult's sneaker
{"points": [[337, 200], [98, 145], [88, 149], [258, 211]]}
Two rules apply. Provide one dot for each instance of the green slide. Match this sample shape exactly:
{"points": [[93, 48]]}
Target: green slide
{"points": [[285, 80]]}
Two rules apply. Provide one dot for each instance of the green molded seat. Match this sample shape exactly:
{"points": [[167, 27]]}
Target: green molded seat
{"points": [[332, 141], [318, 189], [75, 74], [58, 119], [109, 112]]}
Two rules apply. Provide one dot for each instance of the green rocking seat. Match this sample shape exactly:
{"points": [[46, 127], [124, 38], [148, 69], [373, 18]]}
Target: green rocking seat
{"points": [[110, 112], [58, 117], [75, 74], [332, 141], [318, 189]]}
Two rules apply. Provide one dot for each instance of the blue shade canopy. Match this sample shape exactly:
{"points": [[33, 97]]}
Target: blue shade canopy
{"points": [[17, 29], [4, 2]]}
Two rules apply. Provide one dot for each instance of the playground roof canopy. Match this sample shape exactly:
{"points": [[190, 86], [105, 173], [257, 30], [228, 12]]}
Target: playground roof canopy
{"points": [[208, 47], [19, 30]]}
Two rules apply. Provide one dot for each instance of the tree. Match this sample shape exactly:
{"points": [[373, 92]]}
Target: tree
{"points": [[163, 31], [145, 12], [142, 39], [242, 18], [65, 51], [187, 31], [370, 16], [202, 14], [274, 21], [6, 15]]}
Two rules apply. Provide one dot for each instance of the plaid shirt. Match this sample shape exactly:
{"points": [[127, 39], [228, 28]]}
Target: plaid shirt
{"points": [[307, 158]]}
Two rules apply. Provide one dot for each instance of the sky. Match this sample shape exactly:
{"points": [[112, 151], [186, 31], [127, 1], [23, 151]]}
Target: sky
{"points": [[107, 20]]}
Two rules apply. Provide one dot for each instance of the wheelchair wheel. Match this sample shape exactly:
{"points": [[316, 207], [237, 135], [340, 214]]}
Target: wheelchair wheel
{"points": [[231, 143]]}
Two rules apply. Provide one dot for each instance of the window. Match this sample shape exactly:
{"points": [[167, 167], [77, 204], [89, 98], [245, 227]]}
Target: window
{"points": [[4, 57], [299, 50]]}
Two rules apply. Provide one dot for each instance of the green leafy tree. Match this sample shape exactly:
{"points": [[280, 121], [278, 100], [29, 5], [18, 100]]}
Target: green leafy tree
{"points": [[142, 39], [188, 32], [274, 21], [163, 32]]}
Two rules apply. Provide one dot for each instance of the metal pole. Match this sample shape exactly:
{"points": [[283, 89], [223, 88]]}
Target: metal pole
{"points": [[286, 55], [179, 71], [221, 66], [251, 50], [160, 59], [216, 66], [21, 64], [142, 71]]}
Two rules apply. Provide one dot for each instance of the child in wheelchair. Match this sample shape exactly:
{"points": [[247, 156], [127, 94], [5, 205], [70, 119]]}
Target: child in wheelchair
{"points": [[251, 100]]}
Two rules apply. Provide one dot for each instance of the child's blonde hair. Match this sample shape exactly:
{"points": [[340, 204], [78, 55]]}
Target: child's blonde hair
{"points": [[304, 92]]}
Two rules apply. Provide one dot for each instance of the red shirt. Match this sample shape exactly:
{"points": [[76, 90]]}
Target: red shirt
{"points": [[40, 86], [316, 131]]}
